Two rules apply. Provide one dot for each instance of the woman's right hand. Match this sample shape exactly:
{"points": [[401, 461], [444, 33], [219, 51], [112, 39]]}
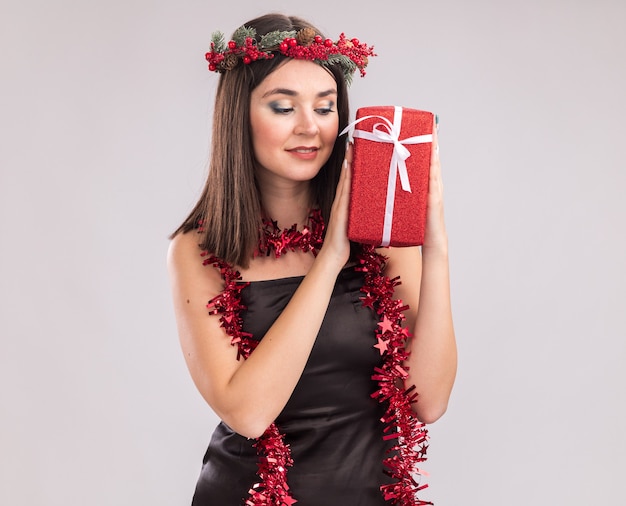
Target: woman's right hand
{"points": [[336, 246]]}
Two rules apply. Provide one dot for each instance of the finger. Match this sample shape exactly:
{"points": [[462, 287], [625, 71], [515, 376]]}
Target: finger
{"points": [[435, 164], [346, 167], [434, 153], [348, 156], [343, 188]]}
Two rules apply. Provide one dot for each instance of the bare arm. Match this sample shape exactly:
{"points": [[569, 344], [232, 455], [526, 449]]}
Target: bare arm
{"points": [[249, 395], [426, 288]]}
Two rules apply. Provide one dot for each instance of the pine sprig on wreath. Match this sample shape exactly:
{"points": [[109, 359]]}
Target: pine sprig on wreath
{"points": [[270, 41], [347, 65], [242, 33], [218, 42]]}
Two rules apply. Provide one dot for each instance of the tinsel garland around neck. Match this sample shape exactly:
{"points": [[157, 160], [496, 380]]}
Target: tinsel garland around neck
{"points": [[400, 423], [279, 241]]}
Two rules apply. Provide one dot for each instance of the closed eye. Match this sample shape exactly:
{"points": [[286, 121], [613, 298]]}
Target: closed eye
{"points": [[281, 110], [324, 110]]}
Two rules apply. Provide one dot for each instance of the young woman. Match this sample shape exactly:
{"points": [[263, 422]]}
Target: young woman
{"points": [[280, 317]]}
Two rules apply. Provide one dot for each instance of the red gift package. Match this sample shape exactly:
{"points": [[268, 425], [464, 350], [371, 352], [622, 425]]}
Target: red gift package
{"points": [[390, 170]]}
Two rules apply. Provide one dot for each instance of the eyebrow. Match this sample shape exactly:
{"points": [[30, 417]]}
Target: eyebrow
{"points": [[292, 93]]}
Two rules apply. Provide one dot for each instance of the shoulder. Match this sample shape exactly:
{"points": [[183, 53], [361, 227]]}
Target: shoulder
{"points": [[186, 267], [183, 250], [182, 246]]}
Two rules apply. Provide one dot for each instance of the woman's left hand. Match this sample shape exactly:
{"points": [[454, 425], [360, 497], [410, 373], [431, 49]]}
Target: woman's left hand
{"points": [[435, 236]]}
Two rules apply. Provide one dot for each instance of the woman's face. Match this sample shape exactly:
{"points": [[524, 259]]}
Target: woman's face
{"points": [[294, 122]]}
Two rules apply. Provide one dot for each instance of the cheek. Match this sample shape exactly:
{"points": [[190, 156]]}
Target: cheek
{"points": [[263, 135], [267, 130], [266, 139], [331, 131]]}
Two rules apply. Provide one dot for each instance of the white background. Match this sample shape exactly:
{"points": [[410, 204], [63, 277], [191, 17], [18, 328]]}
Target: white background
{"points": [[104, 126]]}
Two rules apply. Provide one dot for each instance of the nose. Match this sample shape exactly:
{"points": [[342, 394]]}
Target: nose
{"points": [[306, 123]]}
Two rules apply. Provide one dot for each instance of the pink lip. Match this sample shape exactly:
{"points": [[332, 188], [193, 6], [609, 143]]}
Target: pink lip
{"points": [[304, 152]]}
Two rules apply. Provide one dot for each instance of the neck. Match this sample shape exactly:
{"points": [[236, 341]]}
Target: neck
{"points": [[287, 207]]}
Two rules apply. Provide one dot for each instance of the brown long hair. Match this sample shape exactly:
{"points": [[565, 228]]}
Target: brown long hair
{"points": [[229, 208]]}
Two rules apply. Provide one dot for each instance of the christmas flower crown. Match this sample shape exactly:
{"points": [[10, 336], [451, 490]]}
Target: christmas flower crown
{"points": [[305, 44]]}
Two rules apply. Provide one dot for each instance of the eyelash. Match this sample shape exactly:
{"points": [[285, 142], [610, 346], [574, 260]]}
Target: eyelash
{"points": [[324, 110], [282, 110], [286, 110]]}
